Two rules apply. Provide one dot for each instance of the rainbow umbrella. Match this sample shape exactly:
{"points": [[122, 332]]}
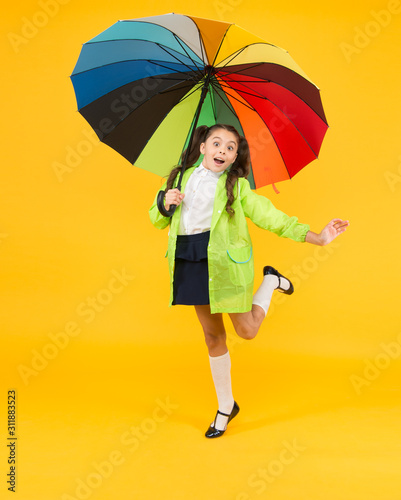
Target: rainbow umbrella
{"points": [[145, 84]]}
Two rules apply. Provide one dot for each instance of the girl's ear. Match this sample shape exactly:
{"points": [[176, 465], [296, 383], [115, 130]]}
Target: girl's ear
{"points": [[202, 148]]}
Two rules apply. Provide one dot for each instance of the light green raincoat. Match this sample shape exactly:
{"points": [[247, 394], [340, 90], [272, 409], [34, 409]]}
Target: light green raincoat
{"points": [[230, 257]]}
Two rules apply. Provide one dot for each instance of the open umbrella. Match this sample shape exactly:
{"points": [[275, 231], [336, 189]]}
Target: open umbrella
{"points": [[145, 84]]}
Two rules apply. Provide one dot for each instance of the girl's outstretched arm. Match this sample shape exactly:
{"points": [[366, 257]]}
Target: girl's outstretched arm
{"points": [[333, 229]]}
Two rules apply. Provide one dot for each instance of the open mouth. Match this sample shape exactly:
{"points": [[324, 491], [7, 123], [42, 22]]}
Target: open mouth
{"points": [[218, 161]]}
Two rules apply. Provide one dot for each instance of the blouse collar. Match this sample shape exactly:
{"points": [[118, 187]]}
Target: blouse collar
{"points": [[201, 168]]}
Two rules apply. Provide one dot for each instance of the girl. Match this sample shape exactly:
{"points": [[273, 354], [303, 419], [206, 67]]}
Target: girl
{"points": [[210, 251]]}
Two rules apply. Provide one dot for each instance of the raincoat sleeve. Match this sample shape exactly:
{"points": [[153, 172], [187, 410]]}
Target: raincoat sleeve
{"points": [[157, 219], [265, 215]]}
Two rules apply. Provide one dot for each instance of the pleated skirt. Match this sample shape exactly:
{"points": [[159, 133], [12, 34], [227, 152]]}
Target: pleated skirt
{"points": [[191, 276]]}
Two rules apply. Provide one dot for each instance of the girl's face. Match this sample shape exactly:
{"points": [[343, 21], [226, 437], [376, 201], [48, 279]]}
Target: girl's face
{"points": [[220, 150]]}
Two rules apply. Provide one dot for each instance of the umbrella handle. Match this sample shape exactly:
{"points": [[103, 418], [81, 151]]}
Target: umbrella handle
{"points": [[162, 208], [160, 195]]}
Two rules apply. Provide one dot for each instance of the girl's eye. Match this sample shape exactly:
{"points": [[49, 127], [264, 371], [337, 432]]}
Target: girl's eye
{"points": [[215, 144], [230, 148]]}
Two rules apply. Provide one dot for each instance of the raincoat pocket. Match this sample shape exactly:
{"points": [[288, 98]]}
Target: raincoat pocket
{"points": [[241, 265]]}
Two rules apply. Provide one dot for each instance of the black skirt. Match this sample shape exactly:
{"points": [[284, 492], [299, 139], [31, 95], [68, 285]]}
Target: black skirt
{"points": [[191, 276]]}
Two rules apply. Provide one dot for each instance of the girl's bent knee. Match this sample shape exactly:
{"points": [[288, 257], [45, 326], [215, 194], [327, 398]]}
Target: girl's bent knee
{"points": [[247, 332]]}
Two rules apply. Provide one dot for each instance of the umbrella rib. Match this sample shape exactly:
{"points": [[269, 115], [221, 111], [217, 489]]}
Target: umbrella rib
{"points": [[189, 94], [238, 52], [172, 90], [241, 102], [180, 42], [259, 79], [181, 62], [243, 69], [284, 113], [265, 80], [212, 100], [221, 43], [202, 45], [133, 110], [184, 49], [228, 94], [174, 71], [217, 87], [293, 124], [227, 85], [253, 109], [234, 56], [227, 78], [145, 40], [175, 79], [155, 62], [248, 67]]}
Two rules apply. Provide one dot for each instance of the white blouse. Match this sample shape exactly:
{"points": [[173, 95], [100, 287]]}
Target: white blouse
{"points": [[197, 206]]}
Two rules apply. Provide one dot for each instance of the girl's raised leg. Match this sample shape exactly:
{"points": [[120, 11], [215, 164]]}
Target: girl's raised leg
{"points": [[247, 324]]}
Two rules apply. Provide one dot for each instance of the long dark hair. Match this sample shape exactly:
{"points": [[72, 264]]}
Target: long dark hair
{"points": [[240, 167]]}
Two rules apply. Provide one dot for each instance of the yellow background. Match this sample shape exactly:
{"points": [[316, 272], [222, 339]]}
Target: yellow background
{"points": [[319, 375]]}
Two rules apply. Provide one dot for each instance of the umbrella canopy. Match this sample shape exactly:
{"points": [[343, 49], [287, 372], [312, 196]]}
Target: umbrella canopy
{"points": [[144, 84]]}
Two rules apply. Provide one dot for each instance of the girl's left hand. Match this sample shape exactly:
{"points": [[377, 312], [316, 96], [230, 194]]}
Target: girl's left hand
{"points": [[333, 229]]}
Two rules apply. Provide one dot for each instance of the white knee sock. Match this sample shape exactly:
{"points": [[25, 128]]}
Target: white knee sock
{"points": [[264, 293], [221, 367]]}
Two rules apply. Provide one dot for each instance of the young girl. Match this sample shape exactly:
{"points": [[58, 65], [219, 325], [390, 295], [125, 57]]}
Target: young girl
{"points": [[210, 251]]}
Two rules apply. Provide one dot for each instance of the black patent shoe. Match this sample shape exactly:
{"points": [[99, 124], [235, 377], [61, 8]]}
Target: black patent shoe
{"points": [[271, 270], [212, 432]]}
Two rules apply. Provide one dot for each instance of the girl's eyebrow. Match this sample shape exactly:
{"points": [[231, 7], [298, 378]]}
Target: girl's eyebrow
{"points": [[217, 137]]}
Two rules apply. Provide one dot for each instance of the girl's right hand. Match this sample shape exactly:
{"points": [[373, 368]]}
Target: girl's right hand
{"points": [[173, 197]]}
